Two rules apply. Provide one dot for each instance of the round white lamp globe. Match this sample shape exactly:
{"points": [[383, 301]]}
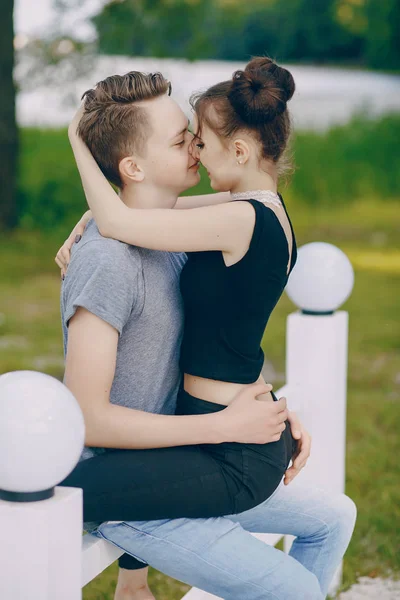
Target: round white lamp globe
{"points": [[322, 279], [42, 435]]}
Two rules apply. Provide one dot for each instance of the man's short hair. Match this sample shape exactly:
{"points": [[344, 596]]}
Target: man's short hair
{"points": [[113, 125]]}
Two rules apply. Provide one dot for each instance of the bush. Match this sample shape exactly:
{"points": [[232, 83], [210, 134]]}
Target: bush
{"points": [[347, 163], [350, 162], [49, 192]]}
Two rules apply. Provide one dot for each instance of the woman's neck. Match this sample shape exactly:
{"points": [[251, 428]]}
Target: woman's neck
{"points": [[256, 180]]}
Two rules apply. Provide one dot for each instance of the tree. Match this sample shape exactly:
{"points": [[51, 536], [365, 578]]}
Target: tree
{"points": [[162, 28], [8, 125]]}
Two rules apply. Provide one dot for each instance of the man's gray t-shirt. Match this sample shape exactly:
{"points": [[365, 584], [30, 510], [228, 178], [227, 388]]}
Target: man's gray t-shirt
{"points": [[136, 291]]}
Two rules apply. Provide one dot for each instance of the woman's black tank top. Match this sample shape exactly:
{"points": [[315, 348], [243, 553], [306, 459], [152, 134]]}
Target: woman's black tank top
{"points": [[227, 308]]}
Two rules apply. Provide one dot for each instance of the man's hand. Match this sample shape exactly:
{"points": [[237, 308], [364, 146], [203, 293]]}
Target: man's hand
{"points": [[250, 421], [302, 453]]}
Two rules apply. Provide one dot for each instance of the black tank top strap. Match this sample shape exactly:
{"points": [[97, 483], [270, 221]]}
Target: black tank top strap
{"points": [[293, 258]]}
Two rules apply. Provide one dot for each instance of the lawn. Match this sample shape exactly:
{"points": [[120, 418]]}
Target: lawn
{"points": [[368, 231]]}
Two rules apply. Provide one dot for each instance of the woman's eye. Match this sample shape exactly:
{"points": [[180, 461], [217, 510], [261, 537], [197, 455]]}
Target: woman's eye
{"points": [[200, 145]]}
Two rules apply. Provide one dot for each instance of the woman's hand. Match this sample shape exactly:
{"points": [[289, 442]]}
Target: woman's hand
{"points": [[73, 126], [64, 253], [302, 453]]}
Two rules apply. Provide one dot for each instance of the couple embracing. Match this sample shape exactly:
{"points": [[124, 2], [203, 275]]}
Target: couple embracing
{"points": [[164, 305]]}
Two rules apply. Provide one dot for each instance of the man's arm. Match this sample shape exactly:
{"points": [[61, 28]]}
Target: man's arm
{"points": [[89, 373], [90, 367]]}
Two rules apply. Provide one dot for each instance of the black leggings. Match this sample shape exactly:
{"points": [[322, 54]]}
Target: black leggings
{"points": [[205, 480]]}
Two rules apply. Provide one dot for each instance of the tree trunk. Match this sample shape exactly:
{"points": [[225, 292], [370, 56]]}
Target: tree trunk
{"points": [[8, 126]]}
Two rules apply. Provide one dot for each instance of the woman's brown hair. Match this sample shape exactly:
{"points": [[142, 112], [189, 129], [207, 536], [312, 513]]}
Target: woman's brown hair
{"points": [[254, 99]]}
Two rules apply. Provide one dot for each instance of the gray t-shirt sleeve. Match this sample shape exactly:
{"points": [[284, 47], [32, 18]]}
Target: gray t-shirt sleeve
{"points": [[103, 277]]}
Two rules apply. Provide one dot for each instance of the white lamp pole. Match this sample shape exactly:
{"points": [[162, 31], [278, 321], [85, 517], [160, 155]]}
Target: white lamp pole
{"points": [[316, 361], [42, 434]]}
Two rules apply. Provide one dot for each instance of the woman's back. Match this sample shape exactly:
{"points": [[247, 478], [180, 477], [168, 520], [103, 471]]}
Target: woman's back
{"points": [[227, 307]]}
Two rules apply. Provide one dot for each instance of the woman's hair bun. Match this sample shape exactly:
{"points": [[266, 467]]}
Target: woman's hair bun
{"points": [[260, 92]]}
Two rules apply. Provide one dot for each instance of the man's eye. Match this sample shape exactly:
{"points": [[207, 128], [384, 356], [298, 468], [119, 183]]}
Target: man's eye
{"points": [[180, 143]]}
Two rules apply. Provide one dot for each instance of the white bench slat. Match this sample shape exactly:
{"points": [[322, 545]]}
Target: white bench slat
{"points": [[97, 555]]}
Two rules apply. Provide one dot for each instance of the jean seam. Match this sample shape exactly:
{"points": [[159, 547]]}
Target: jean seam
{"points": [[165, 541], [98, 532], [303, 515]]}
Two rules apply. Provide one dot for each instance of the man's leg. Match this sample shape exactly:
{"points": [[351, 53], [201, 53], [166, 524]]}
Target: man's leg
{"points": [[323, 524], [217, 555]]}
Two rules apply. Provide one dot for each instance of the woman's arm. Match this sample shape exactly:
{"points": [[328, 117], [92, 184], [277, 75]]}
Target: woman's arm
{"points": [[203, 200], [63, 255], [219, 227]]}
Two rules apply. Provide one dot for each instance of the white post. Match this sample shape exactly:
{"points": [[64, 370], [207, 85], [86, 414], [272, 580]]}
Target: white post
{"points": [[316, 372], [41, 547], [316, 363], [42, 433]]}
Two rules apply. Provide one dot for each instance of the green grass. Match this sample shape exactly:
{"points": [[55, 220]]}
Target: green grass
{"points": [[368, 231], [30, 338]]}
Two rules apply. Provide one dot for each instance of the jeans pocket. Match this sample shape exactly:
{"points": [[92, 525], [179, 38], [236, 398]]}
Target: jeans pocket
{"points": [[236, 465], [265, 474]]}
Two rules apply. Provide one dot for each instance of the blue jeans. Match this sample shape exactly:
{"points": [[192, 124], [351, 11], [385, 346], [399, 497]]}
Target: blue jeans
{"points": [[219, 556]]}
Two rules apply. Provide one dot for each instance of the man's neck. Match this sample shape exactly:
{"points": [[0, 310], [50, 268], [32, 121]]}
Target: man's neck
{"points": [[147, 197]]}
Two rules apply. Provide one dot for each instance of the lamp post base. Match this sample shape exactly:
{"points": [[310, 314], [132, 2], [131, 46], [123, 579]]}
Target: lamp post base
{"points": [[26, 496], [322, 313]]}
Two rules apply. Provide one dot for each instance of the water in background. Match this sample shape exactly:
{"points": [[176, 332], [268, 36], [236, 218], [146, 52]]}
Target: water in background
{"points": [[324, 96]]}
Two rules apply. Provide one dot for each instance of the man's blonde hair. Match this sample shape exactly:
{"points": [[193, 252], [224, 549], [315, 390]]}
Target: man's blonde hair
{"points": [[113, 126]]}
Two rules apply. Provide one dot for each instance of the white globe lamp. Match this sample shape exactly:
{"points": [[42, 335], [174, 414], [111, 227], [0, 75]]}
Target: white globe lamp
{"points": [[322, 279], [42, 435]]}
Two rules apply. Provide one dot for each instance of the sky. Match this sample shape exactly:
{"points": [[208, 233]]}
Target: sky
{"points": [[36, 17]]}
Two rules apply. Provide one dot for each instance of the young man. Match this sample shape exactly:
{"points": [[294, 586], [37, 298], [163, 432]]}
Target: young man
{"points": [[123, 319]]}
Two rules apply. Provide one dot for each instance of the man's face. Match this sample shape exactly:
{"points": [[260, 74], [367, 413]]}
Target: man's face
{"points": [[168, 163]]}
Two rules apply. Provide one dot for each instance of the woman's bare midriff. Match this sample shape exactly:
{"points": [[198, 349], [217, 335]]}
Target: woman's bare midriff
{"points": [[220, 392]]}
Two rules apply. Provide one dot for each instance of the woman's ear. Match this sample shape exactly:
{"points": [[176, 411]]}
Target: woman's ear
{"points": [[130, 170], [242, 151]]}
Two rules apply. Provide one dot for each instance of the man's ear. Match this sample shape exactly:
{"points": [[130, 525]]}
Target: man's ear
{"points": [[242, 151], [130, 170]]}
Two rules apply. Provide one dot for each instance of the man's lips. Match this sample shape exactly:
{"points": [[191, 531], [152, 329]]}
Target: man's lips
{"points": [[196, 164]]}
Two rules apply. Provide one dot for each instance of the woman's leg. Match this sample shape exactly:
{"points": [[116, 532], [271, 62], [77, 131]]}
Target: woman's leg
{"points": [[158, 483], [205, 480]]}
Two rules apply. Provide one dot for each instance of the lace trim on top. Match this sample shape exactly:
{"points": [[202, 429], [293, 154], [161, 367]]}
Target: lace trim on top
{"points": [[260, 195]]}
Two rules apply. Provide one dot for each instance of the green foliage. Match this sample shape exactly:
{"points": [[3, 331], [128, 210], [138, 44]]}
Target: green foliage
{"points": [[358, 160], [382, 40], [142, 28], [332, 31], [49, 191]]}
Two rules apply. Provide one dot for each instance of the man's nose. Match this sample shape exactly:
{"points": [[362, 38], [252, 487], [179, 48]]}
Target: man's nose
{"points": [[193, 149]]}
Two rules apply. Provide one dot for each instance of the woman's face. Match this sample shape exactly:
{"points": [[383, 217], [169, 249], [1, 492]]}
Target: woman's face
{"points": [[218, 158]]}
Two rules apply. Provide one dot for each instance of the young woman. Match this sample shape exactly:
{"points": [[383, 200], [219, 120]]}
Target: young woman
{"points": [[240, 255]]}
